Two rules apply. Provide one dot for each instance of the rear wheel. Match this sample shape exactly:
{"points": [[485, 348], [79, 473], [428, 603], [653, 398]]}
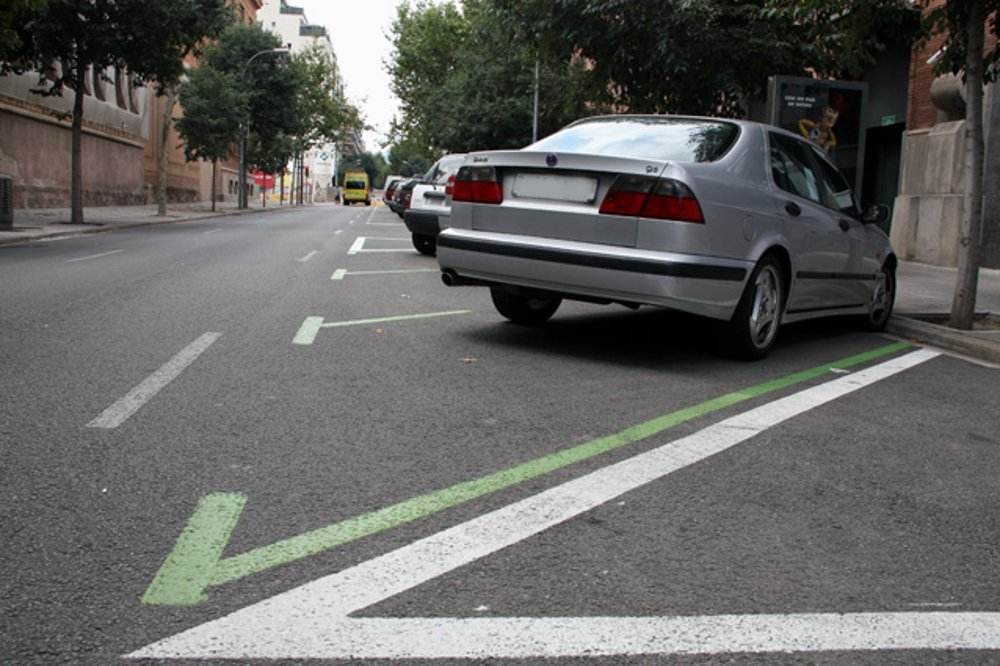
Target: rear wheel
{"points": [[883, 297], [521, 309], [754, 325], [425, 244]]}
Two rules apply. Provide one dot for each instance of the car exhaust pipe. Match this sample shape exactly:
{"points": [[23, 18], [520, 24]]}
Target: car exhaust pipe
{"points": [[453, 279]]}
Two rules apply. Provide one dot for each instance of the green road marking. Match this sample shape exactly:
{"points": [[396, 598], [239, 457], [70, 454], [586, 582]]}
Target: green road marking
{"points": [[193, 570], [311, 326], [339, 274], [187, 571]]}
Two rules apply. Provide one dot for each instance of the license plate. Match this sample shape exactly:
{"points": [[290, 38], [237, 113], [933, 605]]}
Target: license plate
{"points": [[578, 189]]}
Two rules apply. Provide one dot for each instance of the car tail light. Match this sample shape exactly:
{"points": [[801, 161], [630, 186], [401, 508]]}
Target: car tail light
{"points": [[477, 185], [660, 198], [407, 198], [449, 189]]}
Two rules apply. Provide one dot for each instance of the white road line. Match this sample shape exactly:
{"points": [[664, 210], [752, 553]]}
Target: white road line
{"points": [[118, 413], [341, 273], [308, 256], [313, 620], [211, 231], [359, 244], [338, 232], [93, 256]]}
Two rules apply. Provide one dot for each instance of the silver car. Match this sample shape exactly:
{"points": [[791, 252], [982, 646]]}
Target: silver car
{"points": [[732, 220]]}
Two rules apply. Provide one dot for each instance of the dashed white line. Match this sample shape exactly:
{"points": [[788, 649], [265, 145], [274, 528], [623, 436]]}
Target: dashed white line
{"points": [[211, 231], [120, 411], [308, 256], [93, 256]]}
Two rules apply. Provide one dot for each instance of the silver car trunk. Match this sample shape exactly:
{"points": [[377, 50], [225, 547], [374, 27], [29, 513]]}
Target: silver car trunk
{"points": [[558, 195]]}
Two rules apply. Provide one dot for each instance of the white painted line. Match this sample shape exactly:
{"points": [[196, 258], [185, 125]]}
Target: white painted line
{"points": [[116, 414], [338, 232], [340, 273], [308, 256], [311, 326], [211, 231], [356, 246], [313, 620], [93, 256], [359, 244]]}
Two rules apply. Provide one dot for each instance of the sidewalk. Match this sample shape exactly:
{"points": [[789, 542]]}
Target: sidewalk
{"points": [[923, 302], [36, 223]]}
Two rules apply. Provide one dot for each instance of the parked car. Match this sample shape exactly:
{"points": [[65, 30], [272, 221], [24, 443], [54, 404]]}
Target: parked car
{"points": [[390, 187], [401, 197], [732, 220], [429, 202]]}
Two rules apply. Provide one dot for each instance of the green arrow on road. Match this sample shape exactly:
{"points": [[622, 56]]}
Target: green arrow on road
{"points": [[196, 561]]}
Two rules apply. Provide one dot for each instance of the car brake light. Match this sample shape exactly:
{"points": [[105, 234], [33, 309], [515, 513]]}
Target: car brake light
{"points": [[449, 189], [659, 198], [407, 198], [477, 185]]}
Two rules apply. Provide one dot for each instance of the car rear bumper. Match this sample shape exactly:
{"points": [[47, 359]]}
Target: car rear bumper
{"points": [[425, 224], [708, 286]]}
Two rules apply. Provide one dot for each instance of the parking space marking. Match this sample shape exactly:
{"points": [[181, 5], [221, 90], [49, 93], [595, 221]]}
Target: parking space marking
{"points": [[307, 332], [313, 620], [181, 582], [211, 231], [308, 256], [131, 402], [341, 273], [358, 246], [93, 256], [338, 232]]}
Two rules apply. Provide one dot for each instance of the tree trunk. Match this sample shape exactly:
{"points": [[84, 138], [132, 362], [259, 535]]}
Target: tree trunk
{"points": [[161, 164], [76, 161], [281, 197], [215, 164], [963, 306]]}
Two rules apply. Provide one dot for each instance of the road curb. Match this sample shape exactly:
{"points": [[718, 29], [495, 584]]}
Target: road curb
{"points": [[945, 338], [104, 228]]}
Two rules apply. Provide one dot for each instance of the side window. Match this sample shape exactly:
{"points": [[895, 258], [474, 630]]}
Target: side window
{"points": [[792, 168], [835, 191]]}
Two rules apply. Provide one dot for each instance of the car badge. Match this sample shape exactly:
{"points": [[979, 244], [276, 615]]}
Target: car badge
{"points": [[551, 160]]}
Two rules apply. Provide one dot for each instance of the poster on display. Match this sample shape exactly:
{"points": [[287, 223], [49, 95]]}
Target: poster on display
{"points": [[827, 113]]}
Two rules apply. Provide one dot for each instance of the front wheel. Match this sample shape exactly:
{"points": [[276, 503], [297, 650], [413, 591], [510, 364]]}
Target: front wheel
{"points": [[882, 300], [524, 310], [425, 244], [755, 323]]}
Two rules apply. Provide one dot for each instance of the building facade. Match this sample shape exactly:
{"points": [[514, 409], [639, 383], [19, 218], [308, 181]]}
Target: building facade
{"points": [[120, 147], [929, 208]]}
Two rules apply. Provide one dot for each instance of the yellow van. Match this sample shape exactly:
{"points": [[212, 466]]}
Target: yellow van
{"points": [[356, 188]]}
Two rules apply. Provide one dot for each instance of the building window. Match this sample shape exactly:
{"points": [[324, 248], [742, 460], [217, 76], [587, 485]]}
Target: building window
{"points": [[121, 81], [98, 83]]}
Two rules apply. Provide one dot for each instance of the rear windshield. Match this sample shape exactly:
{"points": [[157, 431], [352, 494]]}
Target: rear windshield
{"points": [[355, 185], [667, 139]]}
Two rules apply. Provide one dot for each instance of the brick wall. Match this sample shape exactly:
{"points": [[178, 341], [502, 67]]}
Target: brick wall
{"points": [[921, 111]]}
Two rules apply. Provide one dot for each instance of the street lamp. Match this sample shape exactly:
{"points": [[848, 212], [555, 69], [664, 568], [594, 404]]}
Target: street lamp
{"points": [[245, 126]]}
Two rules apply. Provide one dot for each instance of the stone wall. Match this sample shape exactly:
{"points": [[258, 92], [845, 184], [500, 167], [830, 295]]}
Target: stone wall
{"points": [[37, 154]]}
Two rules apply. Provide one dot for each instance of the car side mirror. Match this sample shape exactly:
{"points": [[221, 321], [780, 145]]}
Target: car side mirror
{"points": [[875, 214]]}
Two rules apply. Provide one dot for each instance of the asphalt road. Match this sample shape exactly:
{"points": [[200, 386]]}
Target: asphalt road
{"points": [[267, 417]]}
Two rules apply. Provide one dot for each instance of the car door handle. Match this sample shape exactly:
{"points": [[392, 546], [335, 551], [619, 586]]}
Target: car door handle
{"points": [[793, 209], [434, 195], [845, 225]]}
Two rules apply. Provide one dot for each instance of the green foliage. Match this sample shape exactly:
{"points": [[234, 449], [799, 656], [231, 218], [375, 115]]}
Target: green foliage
{"points": [[14, 13], [149, 39], [324, 114], [207, 127], [842, 38], [465, 80], [950, 20], [695, 56], [407, 158]]}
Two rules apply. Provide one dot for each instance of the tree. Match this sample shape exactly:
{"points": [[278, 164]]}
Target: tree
{"points": [[62, 38], [457, 95], [408, 159], [208, 98], [14, 13], [324, 114], [372, 164], [963, 25]]}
